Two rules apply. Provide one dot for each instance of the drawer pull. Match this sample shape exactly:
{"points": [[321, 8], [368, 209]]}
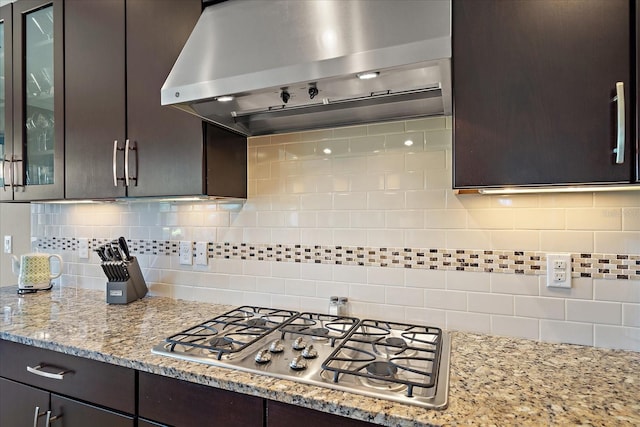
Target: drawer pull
{"points": [[38, 371]]}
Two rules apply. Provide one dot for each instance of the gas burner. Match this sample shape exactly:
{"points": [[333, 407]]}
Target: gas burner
{"points": [[256, 322], [218, 343], [319, 333], [393, 346], [382, 369]]}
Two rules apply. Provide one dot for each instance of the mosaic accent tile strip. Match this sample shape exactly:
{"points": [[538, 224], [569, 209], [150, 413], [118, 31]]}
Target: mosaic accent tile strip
{"points": [[598, 266]]}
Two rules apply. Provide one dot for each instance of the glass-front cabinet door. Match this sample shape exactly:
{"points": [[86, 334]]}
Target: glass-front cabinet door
{"points": [[38, 142], [6, 104]]}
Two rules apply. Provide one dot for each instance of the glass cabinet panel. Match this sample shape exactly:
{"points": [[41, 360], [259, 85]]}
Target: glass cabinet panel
{"points": [[2, 106], [39, 142]]}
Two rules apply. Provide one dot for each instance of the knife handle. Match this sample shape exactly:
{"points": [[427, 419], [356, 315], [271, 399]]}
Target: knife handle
{"points": [[122, 242]]}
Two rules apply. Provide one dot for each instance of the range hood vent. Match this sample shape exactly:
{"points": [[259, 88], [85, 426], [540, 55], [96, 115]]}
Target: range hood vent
{"points": [[261, 67]]}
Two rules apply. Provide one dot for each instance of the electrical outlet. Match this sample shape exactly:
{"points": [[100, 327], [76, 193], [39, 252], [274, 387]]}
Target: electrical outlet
{"points": [[186, 253], [8, 244], [201, 253], [559, 271], [83, 248]]}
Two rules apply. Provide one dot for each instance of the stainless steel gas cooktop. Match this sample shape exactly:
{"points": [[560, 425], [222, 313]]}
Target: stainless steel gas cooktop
{"points": [[388, 360]]}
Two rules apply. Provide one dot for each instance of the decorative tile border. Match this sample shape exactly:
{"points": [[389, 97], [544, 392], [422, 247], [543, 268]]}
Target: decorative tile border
{"points": [[598, 266]]}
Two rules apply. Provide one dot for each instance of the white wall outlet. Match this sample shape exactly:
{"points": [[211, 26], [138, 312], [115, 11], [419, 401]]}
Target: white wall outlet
{"points": [[8, 244], [83, 248], [559, 271], [186, 253], [202, 256]]}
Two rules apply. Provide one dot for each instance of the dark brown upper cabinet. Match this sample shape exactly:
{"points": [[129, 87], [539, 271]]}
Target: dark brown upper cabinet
{"points": [[32, 121], [120, 140], [534, 92]]}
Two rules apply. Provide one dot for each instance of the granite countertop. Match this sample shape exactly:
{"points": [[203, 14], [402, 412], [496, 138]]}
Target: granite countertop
{"points": [[494, 380]]}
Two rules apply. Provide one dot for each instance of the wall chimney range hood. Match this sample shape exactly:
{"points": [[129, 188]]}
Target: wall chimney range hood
{"points": [[261, 67]]}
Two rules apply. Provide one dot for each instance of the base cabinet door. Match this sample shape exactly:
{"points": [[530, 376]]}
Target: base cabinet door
{"points": [[181, 403], [18, 403], [285, 415], [72, 413]]}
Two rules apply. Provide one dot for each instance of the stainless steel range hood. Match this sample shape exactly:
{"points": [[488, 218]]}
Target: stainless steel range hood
{"points": [[260, 67]]}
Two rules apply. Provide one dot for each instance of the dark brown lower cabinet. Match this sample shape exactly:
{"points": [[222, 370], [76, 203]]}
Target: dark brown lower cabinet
{"points": [[284, 415], [181, 403], [80, 392], [19, 403]]}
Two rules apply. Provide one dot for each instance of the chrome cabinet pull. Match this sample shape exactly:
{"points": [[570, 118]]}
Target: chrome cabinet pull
{"points": [[15, 162], [130, 146], [126, 163], [4, 183], [50, 418], [115, 155], [37, 415], [38, 371], [619, 99]]}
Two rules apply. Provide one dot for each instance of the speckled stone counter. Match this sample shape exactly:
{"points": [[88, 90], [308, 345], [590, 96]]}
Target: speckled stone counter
{"points": [[494, 381]]}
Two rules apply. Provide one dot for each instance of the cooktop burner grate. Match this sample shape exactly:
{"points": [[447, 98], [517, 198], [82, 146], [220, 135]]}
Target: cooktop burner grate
{"points": [[233, 331], [388, 354], [321, 327]]}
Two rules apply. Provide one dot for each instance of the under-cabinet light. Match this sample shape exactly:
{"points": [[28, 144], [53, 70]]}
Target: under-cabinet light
{"points": [[226, 98], [368, 75], [573, 189]]}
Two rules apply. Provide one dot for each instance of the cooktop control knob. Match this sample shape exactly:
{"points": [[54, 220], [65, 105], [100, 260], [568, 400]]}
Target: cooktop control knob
{"points": [[310, 352], [299, 344], [298, 363], [263, 356], [276, 347]]}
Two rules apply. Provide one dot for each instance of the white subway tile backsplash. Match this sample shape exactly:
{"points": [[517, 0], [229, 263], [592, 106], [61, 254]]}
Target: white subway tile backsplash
{"points": [[625, 242], [406, 297], [618, 290], [421, 278], [468, 281], [594, 312], [540, 308], [581, 288], [490, 303], [472, 322], [617, 337], [385, 276], [631, 315], [445, 300], [390, 210], [367, 293], [426, 199], [566, 332], [426, 317], [600, 219], [520, 327]]}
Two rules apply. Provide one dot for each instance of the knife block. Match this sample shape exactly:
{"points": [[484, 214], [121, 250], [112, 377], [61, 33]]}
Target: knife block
{"points": [[126, 291]]}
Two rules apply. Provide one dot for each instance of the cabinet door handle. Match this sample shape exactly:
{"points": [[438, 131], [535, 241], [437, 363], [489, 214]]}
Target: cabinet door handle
{"points": [[619, 98], [38, 371], [115, 155], [4, 184], [37, 415], [126, 163], [50, 418], [130, 146]]}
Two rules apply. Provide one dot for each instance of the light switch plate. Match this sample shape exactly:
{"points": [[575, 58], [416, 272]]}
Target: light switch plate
{"points": [[8, 244], [186, 253], [201, 253], [558, 270], [83, 248]]}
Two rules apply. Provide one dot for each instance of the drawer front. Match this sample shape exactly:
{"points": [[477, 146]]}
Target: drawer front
{"points": [[97, 382], [181, 403]]}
